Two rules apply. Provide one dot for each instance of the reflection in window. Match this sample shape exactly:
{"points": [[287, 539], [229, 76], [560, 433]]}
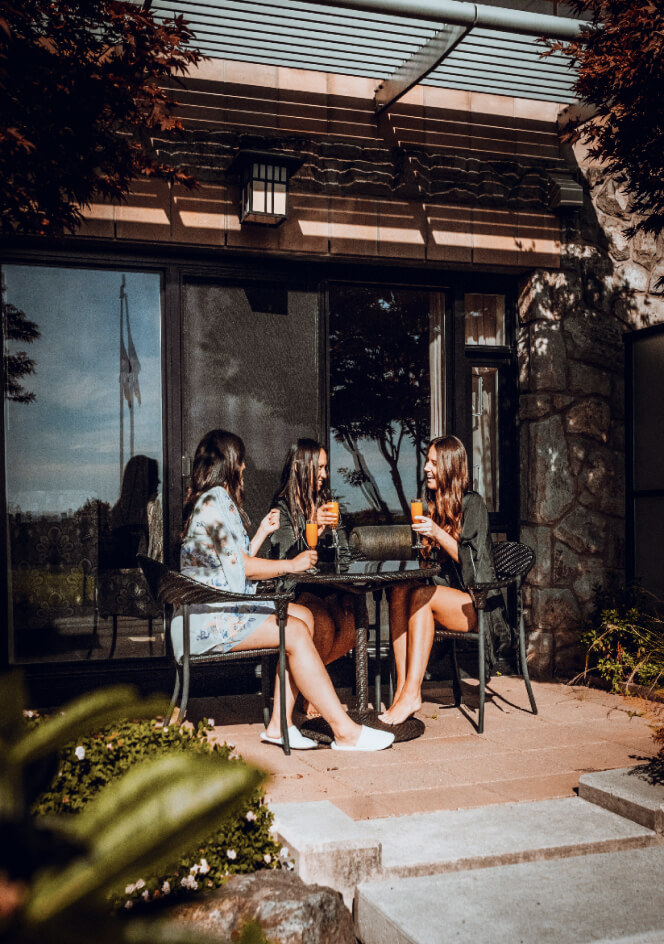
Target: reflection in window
{"points": [[485, 319], [485, 434], [82, 461], [381, 404]]}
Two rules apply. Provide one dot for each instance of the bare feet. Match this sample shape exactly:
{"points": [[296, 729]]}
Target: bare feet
{"points": [[401, 709], [310, 713]]}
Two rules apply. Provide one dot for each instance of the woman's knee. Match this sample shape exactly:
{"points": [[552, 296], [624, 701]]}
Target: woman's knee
{"points": [[298, 634], [420, 596], [303, 614]]}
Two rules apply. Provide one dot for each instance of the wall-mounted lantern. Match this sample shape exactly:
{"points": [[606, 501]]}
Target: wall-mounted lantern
{"points": [[264, 179]]}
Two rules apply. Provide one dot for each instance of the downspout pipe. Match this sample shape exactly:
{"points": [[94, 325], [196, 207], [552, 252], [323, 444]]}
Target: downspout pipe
{"points": [[462, 13]]}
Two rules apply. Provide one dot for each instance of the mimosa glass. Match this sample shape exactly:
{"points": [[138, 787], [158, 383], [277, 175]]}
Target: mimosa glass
{"points": [[416, 510]]}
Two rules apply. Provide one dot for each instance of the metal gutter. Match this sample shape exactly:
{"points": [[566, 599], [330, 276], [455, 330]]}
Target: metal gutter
{"points": [[463, 13]]}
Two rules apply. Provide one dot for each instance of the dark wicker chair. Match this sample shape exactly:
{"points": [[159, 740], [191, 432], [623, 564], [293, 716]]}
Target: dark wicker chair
{"points": [[170, 588], [512, 561]]}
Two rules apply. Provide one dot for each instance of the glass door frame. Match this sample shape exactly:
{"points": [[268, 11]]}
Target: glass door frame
{"points": [[504, 357]]}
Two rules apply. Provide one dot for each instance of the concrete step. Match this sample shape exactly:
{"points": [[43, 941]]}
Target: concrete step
{"points": [[634, 792], [331, 849], [603, 898]]}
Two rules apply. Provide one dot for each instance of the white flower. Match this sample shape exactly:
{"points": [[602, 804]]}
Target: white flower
{"points": [[283, 853], [194, 870], [129, 904], [109, 746], [210, 722], [166, 888], [28, 714], [189, 882], [130, 889], [267, 858], [140, 883], [231, 854], [251, 816], [145, 895], [80, 752], [204, 868]]}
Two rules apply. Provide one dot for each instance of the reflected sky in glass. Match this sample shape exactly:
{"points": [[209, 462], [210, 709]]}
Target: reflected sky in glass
{"points": [[64, 448]]}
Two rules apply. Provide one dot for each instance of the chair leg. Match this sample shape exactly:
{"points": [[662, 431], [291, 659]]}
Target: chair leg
{"points": [[524, 667], [265, 688], [481, 673], [186, 669], [456, 681], [378, 681], [282, 608]]}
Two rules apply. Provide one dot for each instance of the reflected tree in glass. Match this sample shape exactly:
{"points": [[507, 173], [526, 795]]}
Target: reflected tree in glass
{"points": [[379, 379], [17, 329]]}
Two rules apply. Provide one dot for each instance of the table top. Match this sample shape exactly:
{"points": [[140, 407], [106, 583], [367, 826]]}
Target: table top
{"points": [[367, 573]]}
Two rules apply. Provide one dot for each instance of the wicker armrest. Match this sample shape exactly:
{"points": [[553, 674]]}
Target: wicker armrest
{"points": [[480, 591], [176, 589]]}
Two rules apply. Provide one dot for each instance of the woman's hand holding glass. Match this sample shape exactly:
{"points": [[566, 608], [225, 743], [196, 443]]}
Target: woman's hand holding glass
{"points": [[327, 516], [425, 527], [304, 561]]}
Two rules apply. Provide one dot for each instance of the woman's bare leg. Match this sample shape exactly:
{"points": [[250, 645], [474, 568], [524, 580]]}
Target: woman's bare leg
{"points": [[306, 672], [324, 628], [343, 613], [448, 606], [399, 615]]}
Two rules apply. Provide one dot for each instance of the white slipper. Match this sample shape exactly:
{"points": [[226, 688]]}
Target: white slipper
{"points": [[370, 739], [296, 740]]}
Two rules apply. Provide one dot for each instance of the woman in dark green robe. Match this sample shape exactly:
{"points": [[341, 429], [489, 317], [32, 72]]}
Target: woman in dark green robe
{"points": [[303, 495], [457, 527]]}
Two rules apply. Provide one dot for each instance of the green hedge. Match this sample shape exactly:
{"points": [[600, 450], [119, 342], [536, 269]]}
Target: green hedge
{"points": [[244, 844]]}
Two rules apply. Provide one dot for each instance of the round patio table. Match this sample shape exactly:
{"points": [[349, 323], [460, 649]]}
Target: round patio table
{"points": [[360, 577]]}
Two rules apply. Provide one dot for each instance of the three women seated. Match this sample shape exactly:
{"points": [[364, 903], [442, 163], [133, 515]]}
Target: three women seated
{"points": [[319, 629]]}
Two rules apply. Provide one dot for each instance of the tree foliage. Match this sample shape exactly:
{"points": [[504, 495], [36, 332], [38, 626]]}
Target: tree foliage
{"points": [[84, 84], [619, 60], [17, 328]]}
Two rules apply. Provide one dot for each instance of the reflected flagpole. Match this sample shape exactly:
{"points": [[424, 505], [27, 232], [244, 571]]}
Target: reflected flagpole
{"points": [[130, 367]]}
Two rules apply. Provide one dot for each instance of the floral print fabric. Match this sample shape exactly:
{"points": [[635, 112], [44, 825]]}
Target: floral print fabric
{"points": [[212, 553]]}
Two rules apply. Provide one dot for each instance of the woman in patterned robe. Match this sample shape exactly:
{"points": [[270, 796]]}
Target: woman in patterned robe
{"points": [[216, 550]]}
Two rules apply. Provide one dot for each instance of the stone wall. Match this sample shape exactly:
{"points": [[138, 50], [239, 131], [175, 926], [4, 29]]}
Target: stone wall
{"points": [[571, 362]]}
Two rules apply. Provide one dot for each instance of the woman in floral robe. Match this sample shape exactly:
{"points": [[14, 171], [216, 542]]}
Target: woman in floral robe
{"points": [[216, 550]]}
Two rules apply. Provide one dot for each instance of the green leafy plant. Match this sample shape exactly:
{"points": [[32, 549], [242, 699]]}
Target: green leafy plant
{"points": [[624, 639], [244, 842], [57, 872]]}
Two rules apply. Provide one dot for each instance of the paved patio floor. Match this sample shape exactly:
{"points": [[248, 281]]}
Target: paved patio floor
{"points": [[520, 757]]}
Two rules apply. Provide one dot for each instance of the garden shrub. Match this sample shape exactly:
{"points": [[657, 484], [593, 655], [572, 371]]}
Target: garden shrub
{"points": [[624, 638], [243, 844]]}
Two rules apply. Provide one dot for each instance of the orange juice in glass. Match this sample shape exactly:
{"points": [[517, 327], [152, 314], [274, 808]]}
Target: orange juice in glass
{"points": [[417, 510], [311, 533], [333, 506]]}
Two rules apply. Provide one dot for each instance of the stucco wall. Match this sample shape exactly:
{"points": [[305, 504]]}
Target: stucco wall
{"points": [[571, 360]]}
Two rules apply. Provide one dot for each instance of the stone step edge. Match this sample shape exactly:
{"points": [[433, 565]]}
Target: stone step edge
{"points": [[625, 792], [329, 848]]}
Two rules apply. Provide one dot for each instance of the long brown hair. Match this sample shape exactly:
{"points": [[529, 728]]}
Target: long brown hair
{"points": [[445, 504], [299, 481], [217, 461]]}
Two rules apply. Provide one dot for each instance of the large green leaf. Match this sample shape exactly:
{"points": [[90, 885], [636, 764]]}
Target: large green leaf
{"points": [[141, 821]]}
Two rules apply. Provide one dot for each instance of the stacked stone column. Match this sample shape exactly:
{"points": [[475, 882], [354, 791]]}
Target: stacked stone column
{"points": [[572, 403]]}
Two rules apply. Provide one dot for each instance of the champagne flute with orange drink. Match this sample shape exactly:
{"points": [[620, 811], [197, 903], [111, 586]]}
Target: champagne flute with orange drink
{"points": [[416, 510]]}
